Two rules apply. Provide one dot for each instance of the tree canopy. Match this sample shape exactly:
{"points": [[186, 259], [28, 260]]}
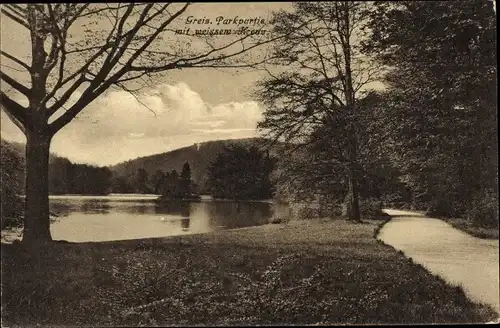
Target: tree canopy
{"points": [[324, 79], [439, 112], [122, 45], [241, 173]]}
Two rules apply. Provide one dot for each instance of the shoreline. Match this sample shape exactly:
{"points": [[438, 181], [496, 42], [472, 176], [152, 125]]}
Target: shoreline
{"points": [[341, 272]]}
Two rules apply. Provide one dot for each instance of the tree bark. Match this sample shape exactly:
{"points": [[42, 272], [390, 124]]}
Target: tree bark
{"points": [[353, 197], [36, 217], [352, 179], [352, 174]]}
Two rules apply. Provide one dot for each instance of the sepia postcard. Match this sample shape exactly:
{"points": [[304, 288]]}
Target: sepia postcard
{"points": [[249, 163]]}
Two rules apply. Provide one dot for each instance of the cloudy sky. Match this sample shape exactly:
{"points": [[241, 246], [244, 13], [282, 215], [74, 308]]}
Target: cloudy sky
{"points": [[117, 127], [184, 108]]}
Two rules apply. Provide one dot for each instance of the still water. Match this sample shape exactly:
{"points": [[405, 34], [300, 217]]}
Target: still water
{"points": [[120, 217]]}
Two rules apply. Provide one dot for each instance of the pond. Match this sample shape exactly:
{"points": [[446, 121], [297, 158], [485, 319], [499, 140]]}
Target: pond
{"points": [[120, 217]]}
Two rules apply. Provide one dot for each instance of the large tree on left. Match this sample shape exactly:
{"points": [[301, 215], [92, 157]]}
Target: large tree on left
{"points": [[78, 51]]}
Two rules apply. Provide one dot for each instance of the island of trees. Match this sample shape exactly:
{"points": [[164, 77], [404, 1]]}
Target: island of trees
{"points": [[238, 172]]}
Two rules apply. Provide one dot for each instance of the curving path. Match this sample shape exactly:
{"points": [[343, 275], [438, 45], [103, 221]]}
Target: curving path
{"points": [[457, 257]]}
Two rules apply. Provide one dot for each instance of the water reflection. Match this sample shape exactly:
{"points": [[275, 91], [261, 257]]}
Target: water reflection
{"points": [[232, 215], [100, 219], [95, 207], [185, 223], [181, 208], [177, 211]]}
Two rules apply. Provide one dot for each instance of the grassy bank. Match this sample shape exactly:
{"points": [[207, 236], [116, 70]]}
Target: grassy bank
{"points": [[474, 230], [329, 272]]}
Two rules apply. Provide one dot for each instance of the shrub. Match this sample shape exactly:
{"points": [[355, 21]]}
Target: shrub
{"points": [[371, 209], [304, 212], [444, 207], [483, 210], [279, 219], [11, 207]]}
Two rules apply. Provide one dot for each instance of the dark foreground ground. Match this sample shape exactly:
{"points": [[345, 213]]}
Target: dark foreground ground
{"points": [[326, 272]]}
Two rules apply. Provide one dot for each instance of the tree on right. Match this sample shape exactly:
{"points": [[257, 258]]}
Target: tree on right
{"points": [[440, 117], [316, 79]]}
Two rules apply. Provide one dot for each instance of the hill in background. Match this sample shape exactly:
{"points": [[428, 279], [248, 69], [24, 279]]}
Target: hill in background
{"points": [[67, 177], [199, 156]]}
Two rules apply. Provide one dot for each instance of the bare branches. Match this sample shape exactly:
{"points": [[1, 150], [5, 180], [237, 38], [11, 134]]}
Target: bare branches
{"points": [[157, 32], [71, 112], [66, 68], [66, 96], [15, 111], [199, 60], [141, 22], [100, 83], [12, 12], [17, 9], [133, 93], [367, 75], [14, 120], [14, 59], [314, 101], [16, 85]]}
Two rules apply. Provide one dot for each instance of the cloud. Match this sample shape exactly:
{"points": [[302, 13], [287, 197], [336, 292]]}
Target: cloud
{"points": [[119, 126]]}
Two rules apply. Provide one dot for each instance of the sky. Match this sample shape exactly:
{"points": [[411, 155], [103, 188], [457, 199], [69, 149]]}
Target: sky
{"points": [[186, 107], [183, 107]]}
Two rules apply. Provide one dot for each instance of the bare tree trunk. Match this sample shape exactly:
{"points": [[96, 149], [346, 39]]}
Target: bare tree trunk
{"points": [[352, 175], [352, 193], [36, 217]]}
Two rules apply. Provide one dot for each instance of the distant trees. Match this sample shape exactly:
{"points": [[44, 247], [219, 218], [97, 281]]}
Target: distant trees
{"points": [[241, 173], [121, 185], [141, 183], [68, 178], [429, 139], [65, 177], [177, 186], [185, 180], [157, 181], [89, 179], [171, 185], [314, 171]]}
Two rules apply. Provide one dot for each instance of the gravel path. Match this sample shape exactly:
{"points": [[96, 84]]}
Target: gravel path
{"points": [[457, 257]]}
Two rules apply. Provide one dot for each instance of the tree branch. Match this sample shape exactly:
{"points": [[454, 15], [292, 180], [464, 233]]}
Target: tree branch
{"points": [[16, 85], [15, 18], [15, 110], [71, 113], [132, 92], [16, 60], [14, 120], [65, 97]]}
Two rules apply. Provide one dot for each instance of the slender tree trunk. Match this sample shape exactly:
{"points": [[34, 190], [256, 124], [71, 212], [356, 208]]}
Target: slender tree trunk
{"points": [[353, 191], [36, 217]]}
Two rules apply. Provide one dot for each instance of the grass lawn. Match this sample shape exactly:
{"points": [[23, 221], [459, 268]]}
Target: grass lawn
{"points": [[307, 272], [468, 227]]}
